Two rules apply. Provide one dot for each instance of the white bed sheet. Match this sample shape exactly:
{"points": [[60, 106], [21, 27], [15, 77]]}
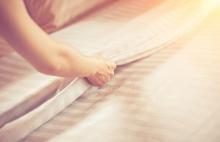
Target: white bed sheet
{"points": [[22, 88]]}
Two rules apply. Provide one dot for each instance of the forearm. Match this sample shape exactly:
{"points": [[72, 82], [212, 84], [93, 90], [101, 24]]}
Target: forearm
{"points": [[45, 54], [23, 34], [69, 62]]}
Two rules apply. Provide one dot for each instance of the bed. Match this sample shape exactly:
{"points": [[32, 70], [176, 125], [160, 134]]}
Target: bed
{"points": [[171, 96], [49, 95]]}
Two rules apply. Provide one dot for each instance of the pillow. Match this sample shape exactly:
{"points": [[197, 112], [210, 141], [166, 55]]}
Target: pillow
{"points": [[52, 15]]}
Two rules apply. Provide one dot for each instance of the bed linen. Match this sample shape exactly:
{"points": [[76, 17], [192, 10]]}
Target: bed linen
{"points": [[48, 110], [16, 73], [171, 96]]}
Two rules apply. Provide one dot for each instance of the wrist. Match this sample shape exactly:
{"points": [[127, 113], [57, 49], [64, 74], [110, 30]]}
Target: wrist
{"points": [[91, 65]]}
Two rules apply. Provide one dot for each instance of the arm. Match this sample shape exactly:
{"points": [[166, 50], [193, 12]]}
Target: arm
{"points": [[45, 54], [29, 40]]}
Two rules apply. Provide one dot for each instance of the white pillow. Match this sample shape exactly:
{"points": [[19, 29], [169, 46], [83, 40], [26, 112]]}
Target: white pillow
{"points": [[54, 14]]}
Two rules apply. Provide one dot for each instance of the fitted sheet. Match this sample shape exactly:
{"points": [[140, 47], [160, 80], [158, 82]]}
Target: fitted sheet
{"points": [[22, 88], [68, 35]]}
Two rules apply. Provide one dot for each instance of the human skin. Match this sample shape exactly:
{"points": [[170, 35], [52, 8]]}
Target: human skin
{"points": [[44, 53]]}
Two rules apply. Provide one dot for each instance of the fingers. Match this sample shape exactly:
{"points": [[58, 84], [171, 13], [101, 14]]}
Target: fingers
{"points": [[111, 65], [105, 71], [100, 79], [94, 81], [104, 78], [111, 68]]}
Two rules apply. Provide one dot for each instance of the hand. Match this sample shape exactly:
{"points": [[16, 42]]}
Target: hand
{"points": [[104, 70]]}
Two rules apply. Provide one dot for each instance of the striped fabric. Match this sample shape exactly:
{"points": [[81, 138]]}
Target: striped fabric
{"points": [[22, 88], [145, 32], [172, 96]]}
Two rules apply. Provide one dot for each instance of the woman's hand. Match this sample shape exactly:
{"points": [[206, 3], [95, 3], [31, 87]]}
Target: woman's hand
{"points": [[102, 71], [43, 52]]}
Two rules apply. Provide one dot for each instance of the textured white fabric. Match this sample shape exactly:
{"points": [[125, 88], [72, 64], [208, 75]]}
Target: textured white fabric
{"points": [[22, 88]]}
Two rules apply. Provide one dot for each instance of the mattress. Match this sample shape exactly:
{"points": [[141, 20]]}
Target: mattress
{"points": [[171, 96], [98, 33]]}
